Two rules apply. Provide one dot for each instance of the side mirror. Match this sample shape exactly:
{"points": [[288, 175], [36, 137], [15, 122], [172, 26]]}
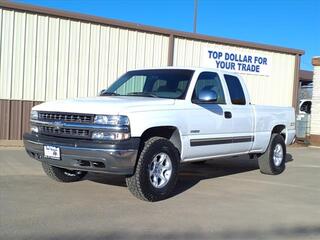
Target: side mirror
{"points": [[207, 96], [101, 92], [303, 108], [306, 107]]}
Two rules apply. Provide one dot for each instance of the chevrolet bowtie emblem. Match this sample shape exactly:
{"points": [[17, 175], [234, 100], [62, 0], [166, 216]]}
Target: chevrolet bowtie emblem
{"points": [[57, 125]]}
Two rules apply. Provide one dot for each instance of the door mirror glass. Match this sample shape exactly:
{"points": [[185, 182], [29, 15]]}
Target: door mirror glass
{"points": [[207, 96]]}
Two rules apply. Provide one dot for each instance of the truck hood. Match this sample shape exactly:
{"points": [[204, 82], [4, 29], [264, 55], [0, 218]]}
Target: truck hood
{"points": [[105, 105]]}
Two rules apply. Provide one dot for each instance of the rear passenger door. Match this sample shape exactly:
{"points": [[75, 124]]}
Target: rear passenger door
{"points": [[242, 115]]}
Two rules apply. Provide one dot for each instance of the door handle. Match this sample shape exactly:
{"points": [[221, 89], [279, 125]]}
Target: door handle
{"points": [[227, 114]]}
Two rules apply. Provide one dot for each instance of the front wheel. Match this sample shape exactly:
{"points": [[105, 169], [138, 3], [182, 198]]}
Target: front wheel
{"points": [[273, 160], [61, 174], [156, 172]]}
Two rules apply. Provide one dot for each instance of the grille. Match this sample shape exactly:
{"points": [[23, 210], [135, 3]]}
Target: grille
{"points": [[65, 132], [66, 117]]}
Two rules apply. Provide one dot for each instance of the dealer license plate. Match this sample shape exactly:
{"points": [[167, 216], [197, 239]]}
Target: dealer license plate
{"points": [[52, 152]]}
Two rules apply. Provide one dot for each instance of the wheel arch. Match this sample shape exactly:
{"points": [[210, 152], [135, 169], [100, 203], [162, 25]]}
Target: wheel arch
{"points": [[280, 129], [169, 132]]}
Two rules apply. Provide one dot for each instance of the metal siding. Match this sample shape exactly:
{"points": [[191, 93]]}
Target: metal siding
{"points": [[131, 53], [30, 57], [63, 58], [41, 58], [156, 61], [6, 53], [74, 48], [188, 57], [113, 55], [84, 60], [52, 59], [179, 51], [165, 51], [281, 78], [94, 61], [196, 52], [4, 119], [18, 55], [103, 57], [14, 118], [148, 61], [132, 50], [122, 52], [141, 48]]}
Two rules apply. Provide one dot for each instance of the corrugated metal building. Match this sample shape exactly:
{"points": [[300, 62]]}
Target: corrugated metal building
{"points": [[47, 54]]}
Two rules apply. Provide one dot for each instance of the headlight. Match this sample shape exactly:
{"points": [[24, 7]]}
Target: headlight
{"points": [[34, 115], [100, 135], [114, 120]]}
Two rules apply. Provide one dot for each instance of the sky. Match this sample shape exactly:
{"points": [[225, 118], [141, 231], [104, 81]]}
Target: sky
{"points": [[286, 23]]}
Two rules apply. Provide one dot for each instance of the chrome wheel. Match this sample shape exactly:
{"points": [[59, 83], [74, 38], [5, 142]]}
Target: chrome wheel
{"points": [[278, 155], [160, 170]]}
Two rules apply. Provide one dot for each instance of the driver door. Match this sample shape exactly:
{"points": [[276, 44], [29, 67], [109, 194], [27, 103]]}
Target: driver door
{"points": [[209, 124]]}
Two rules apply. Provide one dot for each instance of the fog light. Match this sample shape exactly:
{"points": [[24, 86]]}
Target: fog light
{"points": [[34, 129], [99, 135]]}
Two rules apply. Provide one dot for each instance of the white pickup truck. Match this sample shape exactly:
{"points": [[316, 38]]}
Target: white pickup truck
{"points": [[150, 121]]}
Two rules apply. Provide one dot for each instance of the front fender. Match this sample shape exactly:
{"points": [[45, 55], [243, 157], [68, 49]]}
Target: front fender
{"points": [[141, 121]]}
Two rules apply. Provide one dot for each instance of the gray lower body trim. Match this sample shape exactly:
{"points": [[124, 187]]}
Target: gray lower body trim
{"points": [[93, 157], [215, 141]]}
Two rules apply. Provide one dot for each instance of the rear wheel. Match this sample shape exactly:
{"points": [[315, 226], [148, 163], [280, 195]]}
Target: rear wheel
{"points": [[156, 172], [273, 160], [61, 174]]}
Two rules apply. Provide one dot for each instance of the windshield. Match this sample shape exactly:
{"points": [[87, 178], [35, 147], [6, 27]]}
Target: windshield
{"points": [[162, 83]]}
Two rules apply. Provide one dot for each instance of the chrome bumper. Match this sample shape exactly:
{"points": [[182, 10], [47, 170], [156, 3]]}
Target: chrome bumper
{"points": [[87, 155]]}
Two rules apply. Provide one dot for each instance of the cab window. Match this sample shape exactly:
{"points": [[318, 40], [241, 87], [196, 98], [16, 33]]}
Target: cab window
{"points": [[209, 81], [235, 90]]}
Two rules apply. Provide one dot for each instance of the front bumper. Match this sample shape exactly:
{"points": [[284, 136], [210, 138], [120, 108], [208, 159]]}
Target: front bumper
{"points": [[86, 155]]}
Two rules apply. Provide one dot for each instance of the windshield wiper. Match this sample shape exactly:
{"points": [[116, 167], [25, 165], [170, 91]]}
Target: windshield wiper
{"points": [[142, 94], [109, 94]]}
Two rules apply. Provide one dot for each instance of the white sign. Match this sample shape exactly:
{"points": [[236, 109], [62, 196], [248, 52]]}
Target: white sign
{"points": [[236, 61]]}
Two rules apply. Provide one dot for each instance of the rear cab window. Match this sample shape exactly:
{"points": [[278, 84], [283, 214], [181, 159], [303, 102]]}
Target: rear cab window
{"points": [[235, 90]]}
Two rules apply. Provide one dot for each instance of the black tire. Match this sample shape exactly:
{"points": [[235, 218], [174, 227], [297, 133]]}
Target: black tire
{"points": [[61, 174], [266, 162], [140, 184]]}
